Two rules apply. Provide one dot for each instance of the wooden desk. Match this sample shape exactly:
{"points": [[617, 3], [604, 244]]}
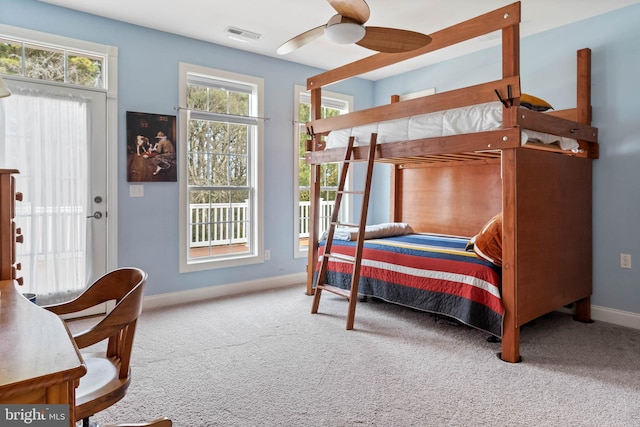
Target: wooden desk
{"points": [[39, 361]]}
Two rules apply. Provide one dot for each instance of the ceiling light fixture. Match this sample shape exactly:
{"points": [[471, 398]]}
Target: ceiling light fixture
{"points": [[343, 30]]}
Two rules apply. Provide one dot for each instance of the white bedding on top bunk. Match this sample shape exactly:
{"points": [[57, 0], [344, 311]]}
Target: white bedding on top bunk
{"points": [[474, 118]]}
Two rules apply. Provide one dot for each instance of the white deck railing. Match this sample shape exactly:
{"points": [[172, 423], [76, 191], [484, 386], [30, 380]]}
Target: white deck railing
{"points": [[221, 223], [304, 213], [215, 224]]}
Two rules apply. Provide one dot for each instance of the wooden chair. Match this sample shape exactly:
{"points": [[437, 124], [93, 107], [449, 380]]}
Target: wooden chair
{"points": [[108, 372], [160, 422]]}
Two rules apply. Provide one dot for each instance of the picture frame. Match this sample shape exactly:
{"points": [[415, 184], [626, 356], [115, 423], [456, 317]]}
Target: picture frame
{"points": [[151, 147]]}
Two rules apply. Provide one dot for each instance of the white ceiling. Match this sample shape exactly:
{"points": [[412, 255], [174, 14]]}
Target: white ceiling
{"points": [[279, 20]]}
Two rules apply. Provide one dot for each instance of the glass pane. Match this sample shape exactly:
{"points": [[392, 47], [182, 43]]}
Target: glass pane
{"points": [[206, 140], [217, 101], [219, 170], [304, 215], [10, 57], [238, 173], [44, 63], [218, 134], [85, 70], [302, 141], [329, 175], [197, 97], [238, 103], [199, 220], [305, 113], [304, 175], [220, 223], [330, 112], [238, 138], [199, 170]]}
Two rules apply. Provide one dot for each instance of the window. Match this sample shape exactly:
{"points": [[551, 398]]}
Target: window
{"points": [[52, 63], [220, 168], [333, 104]]}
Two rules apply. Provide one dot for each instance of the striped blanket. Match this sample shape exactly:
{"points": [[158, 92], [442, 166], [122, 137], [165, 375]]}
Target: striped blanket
{"points": [[428, 272]]}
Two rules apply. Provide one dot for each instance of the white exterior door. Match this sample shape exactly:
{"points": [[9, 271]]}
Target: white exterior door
{"points": [[56, 137]]}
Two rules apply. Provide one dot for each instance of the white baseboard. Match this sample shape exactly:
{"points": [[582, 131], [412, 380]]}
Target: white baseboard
{"points": [[194, 295], [617, 317], [611, 315]]}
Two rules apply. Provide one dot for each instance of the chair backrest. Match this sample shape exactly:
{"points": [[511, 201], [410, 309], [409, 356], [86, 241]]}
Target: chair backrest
{"points": [[126, 287]]}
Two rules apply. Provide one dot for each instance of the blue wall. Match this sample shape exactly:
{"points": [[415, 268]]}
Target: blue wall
{"points": [[548, 64], [148, 81]]}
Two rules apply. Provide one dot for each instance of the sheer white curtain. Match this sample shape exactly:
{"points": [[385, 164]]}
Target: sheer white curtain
{"points": [[45, 137]]}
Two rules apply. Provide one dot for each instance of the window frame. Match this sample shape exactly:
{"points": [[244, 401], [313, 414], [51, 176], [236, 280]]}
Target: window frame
{"points": [[256, 161], [67, 47], [329, 97]]}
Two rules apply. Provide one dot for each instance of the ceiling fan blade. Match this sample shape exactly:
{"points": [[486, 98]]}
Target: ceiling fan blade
{"points": [[300, 40], [392, 40], [358, 10]]}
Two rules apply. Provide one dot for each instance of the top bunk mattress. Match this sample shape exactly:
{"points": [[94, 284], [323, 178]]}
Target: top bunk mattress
{"points": [[474, 118]]}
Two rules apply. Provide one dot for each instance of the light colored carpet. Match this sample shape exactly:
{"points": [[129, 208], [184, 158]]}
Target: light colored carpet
{"points": [[264, 360]]}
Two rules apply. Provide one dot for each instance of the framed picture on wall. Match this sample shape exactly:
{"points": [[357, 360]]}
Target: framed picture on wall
{"points": [[151, 147]]}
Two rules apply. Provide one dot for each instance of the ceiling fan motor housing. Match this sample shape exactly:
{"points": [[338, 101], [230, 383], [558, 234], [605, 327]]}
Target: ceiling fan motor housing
{"points": [[343, 30]]}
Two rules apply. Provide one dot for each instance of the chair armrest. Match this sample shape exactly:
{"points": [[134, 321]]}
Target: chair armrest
{"points": [[62, 308]]}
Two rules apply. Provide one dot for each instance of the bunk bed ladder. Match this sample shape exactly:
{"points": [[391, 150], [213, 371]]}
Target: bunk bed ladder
{"points": [[351, 294]]}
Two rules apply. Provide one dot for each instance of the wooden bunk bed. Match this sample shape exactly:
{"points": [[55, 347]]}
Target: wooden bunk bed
{"points": [[543, 192]]}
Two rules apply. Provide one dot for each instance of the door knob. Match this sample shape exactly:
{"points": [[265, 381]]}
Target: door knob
{"points": [[96, 215]]}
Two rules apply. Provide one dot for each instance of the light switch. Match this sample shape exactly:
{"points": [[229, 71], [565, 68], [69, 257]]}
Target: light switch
{"points": [[136, 190]]}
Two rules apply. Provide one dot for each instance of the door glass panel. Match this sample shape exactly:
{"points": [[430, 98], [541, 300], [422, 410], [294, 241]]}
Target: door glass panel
{"points": [[55, 137]]}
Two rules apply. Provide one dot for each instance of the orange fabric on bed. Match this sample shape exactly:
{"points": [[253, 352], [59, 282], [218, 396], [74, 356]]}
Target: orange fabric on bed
{"points": [[488, 242]]}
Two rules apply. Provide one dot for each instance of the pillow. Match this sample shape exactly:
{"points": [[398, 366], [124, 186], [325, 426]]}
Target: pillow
{"points": [[487, 244], [376, 231], [533, 103]]}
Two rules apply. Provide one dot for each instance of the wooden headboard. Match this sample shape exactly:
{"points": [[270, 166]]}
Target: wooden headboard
{"points": [[448, 198]]}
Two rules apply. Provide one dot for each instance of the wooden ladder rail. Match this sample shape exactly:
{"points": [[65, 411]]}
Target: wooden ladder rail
{"points": [[352, 294]]}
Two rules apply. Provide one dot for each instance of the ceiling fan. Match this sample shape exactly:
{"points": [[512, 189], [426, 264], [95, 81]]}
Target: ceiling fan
{"points": [[347, 27]]}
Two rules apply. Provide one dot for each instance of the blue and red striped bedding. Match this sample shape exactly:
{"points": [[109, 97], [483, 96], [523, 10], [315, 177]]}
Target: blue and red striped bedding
{"points": [[428, 272]]}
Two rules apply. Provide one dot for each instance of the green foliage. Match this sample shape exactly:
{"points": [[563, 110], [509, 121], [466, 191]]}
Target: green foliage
{"points": [[47, 63], [84, 71], [10, 57], [329, 173], [218, 150]]}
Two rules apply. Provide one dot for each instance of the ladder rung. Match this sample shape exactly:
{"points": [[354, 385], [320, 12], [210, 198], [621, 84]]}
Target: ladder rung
{"points": [[335, 290], [341, 257], [351, 191]]}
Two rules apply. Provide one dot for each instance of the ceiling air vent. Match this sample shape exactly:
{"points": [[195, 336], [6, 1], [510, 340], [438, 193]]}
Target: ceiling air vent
{"points": [[242, 35]]}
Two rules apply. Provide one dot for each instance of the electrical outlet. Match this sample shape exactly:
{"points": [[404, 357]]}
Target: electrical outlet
{"points": [[625, 260], [267, 255]]}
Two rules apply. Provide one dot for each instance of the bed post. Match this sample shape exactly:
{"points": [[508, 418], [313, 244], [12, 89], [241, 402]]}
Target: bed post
{"points": [[511, 330], [583, 107], [395, 184], [314, 194]]}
